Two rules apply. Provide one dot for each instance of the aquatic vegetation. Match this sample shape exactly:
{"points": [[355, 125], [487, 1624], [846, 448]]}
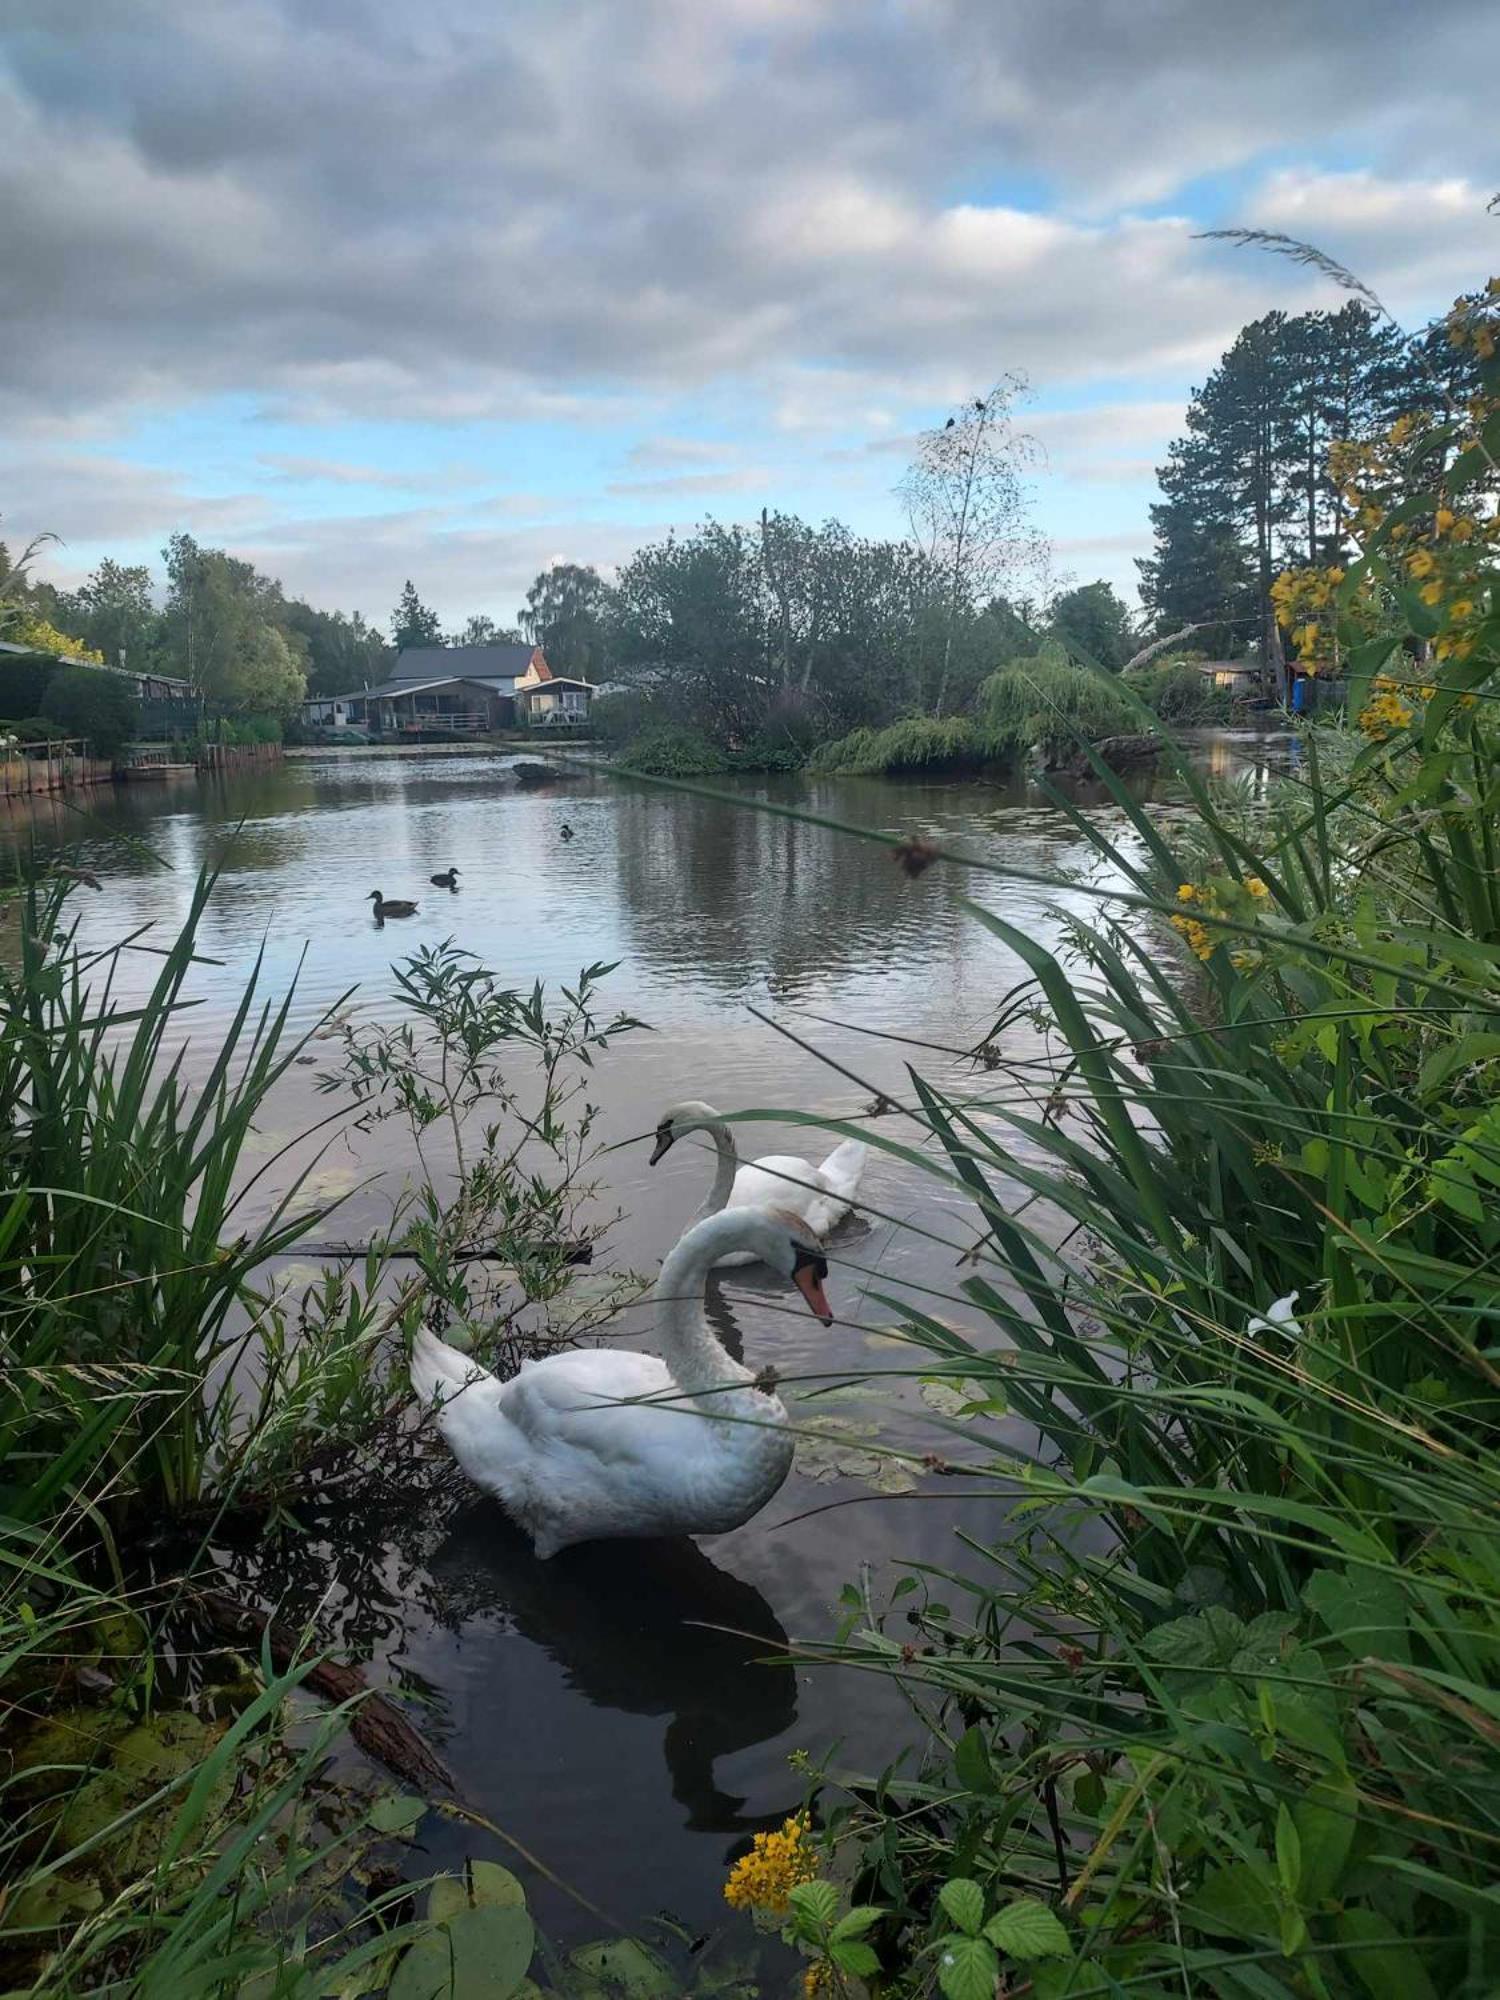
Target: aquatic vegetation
{"points": [[1211, 1710]]}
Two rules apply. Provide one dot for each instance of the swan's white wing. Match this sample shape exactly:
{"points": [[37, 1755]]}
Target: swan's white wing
{"points": [[839, 1175], [580, 1405], [777, 1181]]}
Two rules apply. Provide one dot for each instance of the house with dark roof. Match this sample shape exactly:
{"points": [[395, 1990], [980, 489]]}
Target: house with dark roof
{"points": [[437, 691]]}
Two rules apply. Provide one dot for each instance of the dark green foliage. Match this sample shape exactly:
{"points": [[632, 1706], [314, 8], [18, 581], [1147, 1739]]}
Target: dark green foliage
{"points": [[1048, 705], [568, 613], [1175, 690], [672, 750], [84, 701], [412, 622], [1094, 625], [23, 685], [920, 743]]}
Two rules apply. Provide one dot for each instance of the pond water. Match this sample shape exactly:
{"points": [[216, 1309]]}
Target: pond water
{"points": [[612, 1708]]}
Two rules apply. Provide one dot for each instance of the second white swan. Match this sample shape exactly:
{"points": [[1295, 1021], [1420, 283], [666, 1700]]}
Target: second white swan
{"points": [[605, 1442], [821, 1196]]}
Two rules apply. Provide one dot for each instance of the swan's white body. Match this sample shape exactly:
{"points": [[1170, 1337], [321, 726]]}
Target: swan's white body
{"points": [[604, 1443], [819, 1195]]}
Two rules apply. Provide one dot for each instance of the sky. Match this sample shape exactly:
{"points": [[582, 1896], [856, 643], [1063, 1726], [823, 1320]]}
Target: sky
{"points": [[369, 289]]}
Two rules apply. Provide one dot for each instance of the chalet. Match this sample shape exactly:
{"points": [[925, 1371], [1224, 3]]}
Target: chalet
{"points": [[436, 691], [548, 701]]}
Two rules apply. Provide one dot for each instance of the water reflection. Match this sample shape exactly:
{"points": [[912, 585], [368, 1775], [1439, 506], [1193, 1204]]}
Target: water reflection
{"points": [[647, 1628]]}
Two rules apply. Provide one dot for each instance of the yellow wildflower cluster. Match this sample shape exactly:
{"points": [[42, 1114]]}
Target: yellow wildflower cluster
{"points": [[818, 1979], [777, 1862], [1385, 712], [1201, 941], [1303, 600], [1475, 323]]}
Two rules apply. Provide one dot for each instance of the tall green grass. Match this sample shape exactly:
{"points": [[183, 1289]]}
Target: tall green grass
{"points": [[1211, 1707]]}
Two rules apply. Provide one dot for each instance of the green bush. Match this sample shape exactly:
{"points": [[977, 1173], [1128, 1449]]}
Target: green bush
{"points": [[919, 743], [23, 685], [671, 750], [34, 729], [1047, 704], [616, 719], [1176, 691], [100, 706]]}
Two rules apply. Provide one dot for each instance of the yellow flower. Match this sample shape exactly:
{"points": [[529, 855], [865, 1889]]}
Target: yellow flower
{"points": [[1186, 893], [1462, 608], [777, 1862], [1421, 562], [1443, 520], [1257, 888], [1431, 592], [818, 1979]]}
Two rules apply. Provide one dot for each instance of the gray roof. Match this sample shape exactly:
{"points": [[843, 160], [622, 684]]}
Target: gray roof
{"points": [[427, 663], [389, 690]]}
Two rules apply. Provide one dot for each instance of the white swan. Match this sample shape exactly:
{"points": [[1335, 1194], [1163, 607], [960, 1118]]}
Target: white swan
{"points": [[604, 1442], [821, 1196]]}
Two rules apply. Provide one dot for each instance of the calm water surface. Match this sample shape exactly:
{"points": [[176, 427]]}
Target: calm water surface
{"points": [[611, 1708]]}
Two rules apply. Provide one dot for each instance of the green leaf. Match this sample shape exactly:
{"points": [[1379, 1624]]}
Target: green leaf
{"points": [[1366, 1613], [816, 1903], [963, 1903], [1326, 1820], [1288, 1851], [971, 1760], [480, 1954], [967, 1968], [1028, 1930], [852, 1956], [1381, 1960], [627, 1966], [1237, 1901], [397, 1813], [863, 1917], [483, 1884]]}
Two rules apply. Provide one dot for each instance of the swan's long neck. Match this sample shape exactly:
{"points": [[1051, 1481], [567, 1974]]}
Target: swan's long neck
{"points": [[726, 1166], [699, 1361]]}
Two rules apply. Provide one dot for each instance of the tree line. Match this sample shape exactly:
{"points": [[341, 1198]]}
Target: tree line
{"points": [[1246, 491]]}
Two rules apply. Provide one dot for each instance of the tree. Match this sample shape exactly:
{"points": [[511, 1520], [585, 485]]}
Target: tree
{"points": [[567, 613], [117, 616], [1093, 619], [100, 706], [343, 653], [413, 623], [479, 630], [967, 507], [226, 631], [1199, 575]]}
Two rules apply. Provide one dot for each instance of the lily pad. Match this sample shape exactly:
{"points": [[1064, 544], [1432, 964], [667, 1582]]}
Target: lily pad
{"points": [[479, 1954], [842, 1449], [624, 1965], [166, 1747], [482, 1885], [398, 1814], [953, 1399]]}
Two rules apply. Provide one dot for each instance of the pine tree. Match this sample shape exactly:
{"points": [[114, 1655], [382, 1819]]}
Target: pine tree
{"points": [[412, 623]]}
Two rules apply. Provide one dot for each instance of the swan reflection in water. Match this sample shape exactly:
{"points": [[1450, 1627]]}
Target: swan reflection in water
{"points": [[632, 1627]]}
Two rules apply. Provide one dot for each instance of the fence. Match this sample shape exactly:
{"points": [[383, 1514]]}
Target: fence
{"points": [[53, 765]]}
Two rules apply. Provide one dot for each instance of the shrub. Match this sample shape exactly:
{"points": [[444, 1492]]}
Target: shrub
{"points": [[23, 685], [919, 743], [1176, 691], [35, 729], [96, 705], [672, 750], [616, 719], [1047, 703]]}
